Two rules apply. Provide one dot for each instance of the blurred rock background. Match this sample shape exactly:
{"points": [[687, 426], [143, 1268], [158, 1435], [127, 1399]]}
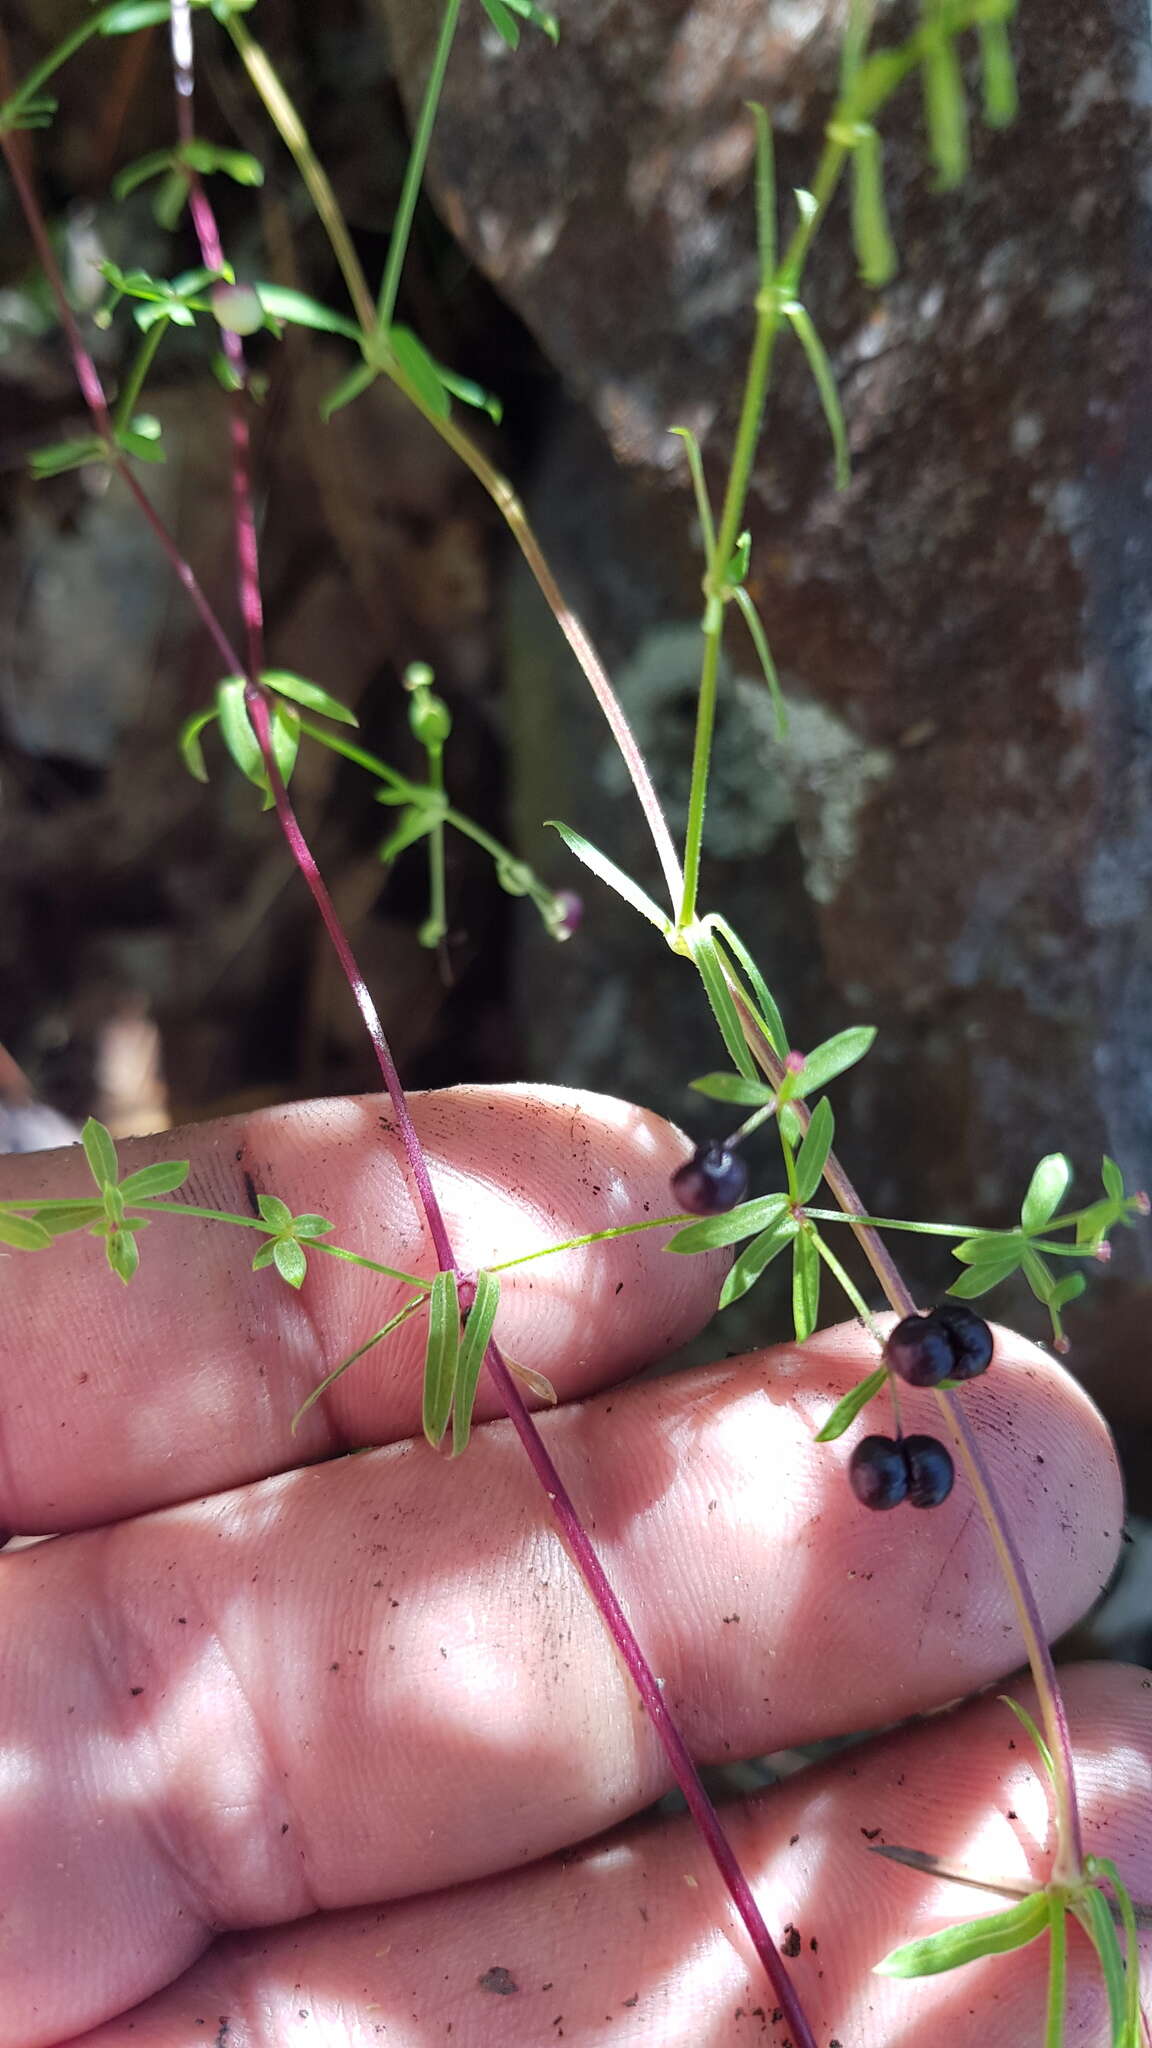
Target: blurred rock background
{"points": [[955, 845]]}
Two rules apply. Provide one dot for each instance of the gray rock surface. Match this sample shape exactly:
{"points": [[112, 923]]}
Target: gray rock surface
{"points": [[963, 633]]}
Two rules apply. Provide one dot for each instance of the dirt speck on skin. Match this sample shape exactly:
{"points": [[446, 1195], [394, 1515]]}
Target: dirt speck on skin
{"points": [[499, 1980], [791, 1943]]}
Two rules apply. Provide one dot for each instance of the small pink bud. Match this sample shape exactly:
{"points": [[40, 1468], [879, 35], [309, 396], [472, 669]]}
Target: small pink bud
{"points": [[1142, 1202], [1063, 1345], [1103, 1252], [794, 1063], [566, 914], [237, 308]]}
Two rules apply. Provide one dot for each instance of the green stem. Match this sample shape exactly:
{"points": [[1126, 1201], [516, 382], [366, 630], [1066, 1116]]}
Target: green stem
{"points": [[575, 1244], [438, 894], [849, 1286], [414, 175], [134, 383], [51, 63], [333, 1251]]}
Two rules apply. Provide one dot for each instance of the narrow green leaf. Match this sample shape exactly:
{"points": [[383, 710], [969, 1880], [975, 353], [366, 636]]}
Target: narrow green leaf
{"points": [[537, 16], [1103, 1866], [441, 1355], [170, 200], [607, 871], [1032, 1731], [310, 1225], [237, 164], [759, 639], [471, 393], [65, 455], [150, 1181], [846, 1411], [834, 1057], [1112, 1178], [755, 1258], [825, 382], [290, 1260], [402, 1316], [996, 1934], [284, 723], [871, 234], [1057, 1974], [708, 965], [1046, 1191], [765, 1001], [134, 14], [981, 1279], [123, 1254], [145, 447], [145, 167], [1038, 1275], [503, 22], [699, 489], [813, 1154], [474, 1344], [805, 1285], [412, 825], [743, 1221], [275, 1213], [1094, 1912], [1067, 1290], [60, 1218], [23, 1233], [347, 389], [421, 371], [945, 111], [191, 750], [236, 729], [990, 1248], [301, 311], [301, 691], [733, 1088], [100, 1152], [265, 1255]]}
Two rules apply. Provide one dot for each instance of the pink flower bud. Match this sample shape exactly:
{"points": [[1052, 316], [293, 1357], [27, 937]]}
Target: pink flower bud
{"points": [[794, 1063], [566, 914], [1142, 1202], [1103, 1252]]}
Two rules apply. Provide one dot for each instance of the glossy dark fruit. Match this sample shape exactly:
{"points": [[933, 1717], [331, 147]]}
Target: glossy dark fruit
{"points": [[712, 1181], [878, 1472], [930, 1471], [971, 1338], [921, 1349]]}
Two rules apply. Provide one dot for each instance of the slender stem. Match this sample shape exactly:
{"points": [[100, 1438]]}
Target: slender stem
{"points": [[134, 382], [314, 1244], [675, 1749], [849, 1286], [294, 136], [438, 894], [414, 174], [43, 71], [575, 1244]]}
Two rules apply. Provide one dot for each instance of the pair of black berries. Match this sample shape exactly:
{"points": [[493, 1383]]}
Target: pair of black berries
{"points": [[950, 1342]]}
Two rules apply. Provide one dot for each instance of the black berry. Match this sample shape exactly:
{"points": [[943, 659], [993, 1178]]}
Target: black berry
{"points": [[921, 1350], [712, 1181], [878, 1473], [930, 1471], [971, 1338]]}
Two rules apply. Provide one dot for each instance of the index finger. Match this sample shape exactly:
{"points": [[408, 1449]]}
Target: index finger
{"points": [[116, 1400]]}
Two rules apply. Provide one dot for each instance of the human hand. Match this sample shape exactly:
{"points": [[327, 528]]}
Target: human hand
{"points": [[344, 1703]]}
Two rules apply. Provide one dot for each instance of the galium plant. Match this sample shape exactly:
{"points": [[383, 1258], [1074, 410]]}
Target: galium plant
{"points": [[264, 715]]}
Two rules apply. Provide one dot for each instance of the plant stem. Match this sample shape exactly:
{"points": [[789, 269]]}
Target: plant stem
{"points": [[134, 382], [414, 174], [647, 1685]]}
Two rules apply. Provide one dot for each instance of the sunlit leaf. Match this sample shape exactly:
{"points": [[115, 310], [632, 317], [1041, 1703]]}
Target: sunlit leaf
{"points": [[981, 1279], [835, 1056], [707, 962], [236, 729], [421, 371], [441, 1354], [813, 1154], [1112, 1178], [846, 1411], [805, 1285], [123, 1252], [301, 691], [275, 1213], [1046, 1191], [134, 14], [23, 1233], [503, 22], [765, 1001], [151, 1181], [473, 1345], [996, 1934], [290, 1260], [60, 1218], [871, 235], [754, 1259], [191, 750], [607, 871], [100, 1152], [732, 1088], [743, 1221], [413, 824], [302, 311]]}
